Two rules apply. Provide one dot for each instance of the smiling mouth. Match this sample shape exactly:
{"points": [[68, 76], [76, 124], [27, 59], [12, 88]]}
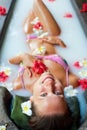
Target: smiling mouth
{"points": [[48, 77]]}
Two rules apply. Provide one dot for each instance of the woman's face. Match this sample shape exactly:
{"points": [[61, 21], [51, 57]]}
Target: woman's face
{"points": [[48, 96]]}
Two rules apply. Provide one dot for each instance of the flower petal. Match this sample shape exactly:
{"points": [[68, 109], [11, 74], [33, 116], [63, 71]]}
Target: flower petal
{"points": [[29, 112], [26, 108], [3, 127], [69, 91]]}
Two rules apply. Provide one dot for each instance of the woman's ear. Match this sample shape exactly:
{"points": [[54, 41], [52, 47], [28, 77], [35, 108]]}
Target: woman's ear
{"points": [[31, 98]]}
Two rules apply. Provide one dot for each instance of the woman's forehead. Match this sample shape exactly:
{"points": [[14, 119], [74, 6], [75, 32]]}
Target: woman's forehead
{"points": [[51, 107], [51, 103]]}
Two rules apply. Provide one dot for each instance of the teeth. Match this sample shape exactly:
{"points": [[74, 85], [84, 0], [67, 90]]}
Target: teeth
{"points": [[48, 79]]}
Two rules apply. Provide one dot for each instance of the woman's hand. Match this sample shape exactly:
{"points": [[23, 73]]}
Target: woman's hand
{"points": [[54, 40]]}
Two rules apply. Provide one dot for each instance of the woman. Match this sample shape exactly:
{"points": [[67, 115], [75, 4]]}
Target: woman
{"points": [[46, 77], [34, 66], [42, 30], [44, 74]]}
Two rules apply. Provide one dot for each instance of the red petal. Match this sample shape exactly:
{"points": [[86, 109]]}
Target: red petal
{"points": [[68, 15]]}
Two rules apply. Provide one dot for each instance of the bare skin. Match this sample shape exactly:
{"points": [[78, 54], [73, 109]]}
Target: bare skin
{"points": [[50, 26], [48, 42], [29, 77], [40, 10], [49, 90], [45, 88]]}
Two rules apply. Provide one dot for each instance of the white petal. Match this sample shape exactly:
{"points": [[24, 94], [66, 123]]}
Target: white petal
{"points": [[27, 104], [2, 127], [29, 112]]}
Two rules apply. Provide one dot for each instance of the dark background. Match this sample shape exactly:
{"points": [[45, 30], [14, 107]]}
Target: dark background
{"points": [[77, 4]]}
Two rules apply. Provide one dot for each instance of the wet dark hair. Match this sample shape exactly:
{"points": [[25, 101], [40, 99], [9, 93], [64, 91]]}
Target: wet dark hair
{"points": [[51, 122]]}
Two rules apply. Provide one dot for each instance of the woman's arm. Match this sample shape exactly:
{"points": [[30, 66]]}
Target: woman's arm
{"points": [[25, 59]]}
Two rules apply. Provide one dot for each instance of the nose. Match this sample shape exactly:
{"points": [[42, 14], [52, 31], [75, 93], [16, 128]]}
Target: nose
{"points": [[49, 85]]}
